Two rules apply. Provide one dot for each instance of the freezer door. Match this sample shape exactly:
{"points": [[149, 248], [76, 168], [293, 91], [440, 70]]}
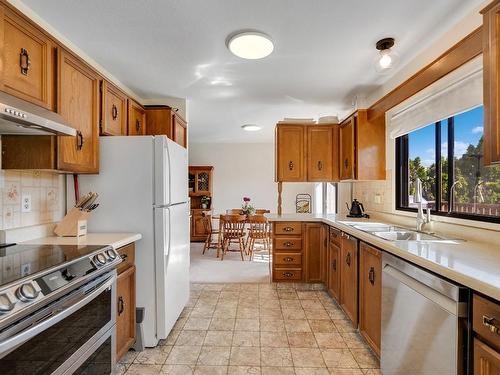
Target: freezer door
{"points": [[172, 265], [171, 172]]}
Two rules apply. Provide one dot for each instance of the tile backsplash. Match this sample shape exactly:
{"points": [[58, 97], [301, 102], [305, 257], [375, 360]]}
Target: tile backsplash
{"points": [[47, 192], [375, 195]]}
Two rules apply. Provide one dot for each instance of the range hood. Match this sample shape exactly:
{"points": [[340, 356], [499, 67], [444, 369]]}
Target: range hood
{"points": [[18, 117]]}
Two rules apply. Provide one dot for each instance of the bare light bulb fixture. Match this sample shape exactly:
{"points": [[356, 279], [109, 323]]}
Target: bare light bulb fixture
{"points": [[387, 58]]}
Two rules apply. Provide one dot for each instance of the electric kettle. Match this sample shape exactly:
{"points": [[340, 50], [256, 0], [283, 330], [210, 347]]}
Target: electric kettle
{"points": [[356, 209]]}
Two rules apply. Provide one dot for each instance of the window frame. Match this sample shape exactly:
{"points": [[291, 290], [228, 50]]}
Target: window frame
{"points": [[402, 180]]}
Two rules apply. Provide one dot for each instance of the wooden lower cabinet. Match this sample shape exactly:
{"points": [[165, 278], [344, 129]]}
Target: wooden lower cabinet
{"points": [[198, 230], [486, 359], [370, 294], [314, 252], [333, 271], [289, 243], [125, 301], [349, 277]]}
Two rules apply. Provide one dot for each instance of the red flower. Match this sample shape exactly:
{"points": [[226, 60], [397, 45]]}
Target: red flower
{"points": [[246, 199]]}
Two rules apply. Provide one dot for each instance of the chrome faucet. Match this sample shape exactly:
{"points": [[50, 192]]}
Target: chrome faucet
{"points": [[451, 199], [417, 198]]}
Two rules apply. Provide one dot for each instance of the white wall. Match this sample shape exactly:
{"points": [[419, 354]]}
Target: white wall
{"points": [[245, 169]]}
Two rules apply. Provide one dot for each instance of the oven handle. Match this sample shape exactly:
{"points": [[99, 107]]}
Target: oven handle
{"points": [[29, 333]]}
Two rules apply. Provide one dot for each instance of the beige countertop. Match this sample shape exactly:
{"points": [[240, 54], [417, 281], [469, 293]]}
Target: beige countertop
{"points": [[472, 264], [116, 240]]}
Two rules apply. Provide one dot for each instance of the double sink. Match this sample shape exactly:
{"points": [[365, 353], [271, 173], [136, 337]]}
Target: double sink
{"points": [[395, 233]]}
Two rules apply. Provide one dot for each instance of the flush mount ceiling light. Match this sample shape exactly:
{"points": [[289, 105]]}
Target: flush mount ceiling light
{"points": [[387, 58], [250, 45], [251, 128]]}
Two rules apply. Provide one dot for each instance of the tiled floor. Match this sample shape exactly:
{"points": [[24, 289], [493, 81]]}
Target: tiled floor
{"points": [[266, 329]]}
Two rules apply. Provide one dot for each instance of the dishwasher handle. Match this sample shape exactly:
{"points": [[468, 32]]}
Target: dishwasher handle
{"points": [[458, 309]]}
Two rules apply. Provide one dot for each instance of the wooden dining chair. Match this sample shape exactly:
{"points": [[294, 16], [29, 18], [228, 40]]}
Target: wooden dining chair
{"points": [[234, 211], [262, 211], [233, 230], [258, 231], [211, 232]]}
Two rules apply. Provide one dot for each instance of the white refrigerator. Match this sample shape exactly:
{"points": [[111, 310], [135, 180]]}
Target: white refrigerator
{"points": [[143, 187]]}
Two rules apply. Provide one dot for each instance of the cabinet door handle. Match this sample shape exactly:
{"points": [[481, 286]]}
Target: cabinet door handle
{"points": [[320, 165], [287, 274], [371, 275], [290, 165], [24, 61], [121, 305], [334, 264], [346, 163], [114, 112], [124, 256], [137, 125], [490, 324], [79, 140], [348, 259], [288, 244], [288, 259], [288, 229]]}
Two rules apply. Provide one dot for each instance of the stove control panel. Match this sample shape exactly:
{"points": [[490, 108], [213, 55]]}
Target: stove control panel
{"points": [[18, 297]]}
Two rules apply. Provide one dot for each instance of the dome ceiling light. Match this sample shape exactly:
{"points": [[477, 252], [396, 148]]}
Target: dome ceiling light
{"points": [[251, 128], [387, 58], [251, 45]]}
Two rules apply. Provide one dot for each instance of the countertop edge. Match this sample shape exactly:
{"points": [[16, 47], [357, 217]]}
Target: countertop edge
{"points": [[115, 240]]}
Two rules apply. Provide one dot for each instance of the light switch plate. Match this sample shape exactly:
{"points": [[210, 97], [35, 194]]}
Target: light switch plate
{"points": [[26, 203]]}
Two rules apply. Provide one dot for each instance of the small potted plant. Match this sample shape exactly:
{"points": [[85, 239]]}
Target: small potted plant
{"points": [[205, 201], [247, 208]]}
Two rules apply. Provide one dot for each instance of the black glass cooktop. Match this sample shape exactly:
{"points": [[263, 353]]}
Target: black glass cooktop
{"points": [[19, 261]]}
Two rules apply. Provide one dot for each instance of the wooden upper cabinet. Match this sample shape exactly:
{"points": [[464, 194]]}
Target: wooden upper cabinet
{"points": [[322, 153], [290, 146], [163, 120], [113, 110], [28, 65], [362, 147], [136, 118], [78, 103], [370, 295], [491, 82]]}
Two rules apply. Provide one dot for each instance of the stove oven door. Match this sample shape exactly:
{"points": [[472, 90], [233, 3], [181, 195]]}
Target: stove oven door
{"points": [[75, 334]]}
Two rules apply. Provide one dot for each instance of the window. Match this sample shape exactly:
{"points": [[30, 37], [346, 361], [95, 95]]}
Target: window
{"points": [[447, 156]]}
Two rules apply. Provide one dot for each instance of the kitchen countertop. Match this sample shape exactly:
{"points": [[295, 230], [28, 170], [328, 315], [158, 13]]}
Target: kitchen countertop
{"points": [[472, 264], [116, 240]]}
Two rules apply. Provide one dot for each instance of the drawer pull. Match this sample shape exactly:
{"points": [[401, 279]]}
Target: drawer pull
{"points": [[287, 274], [288, 229], [24, 61], [124, 256], [288, 259], [490, 324], [290, 165], [348, 259], [334, 264], [346, 163], [320, 165], [288, 244], [114, 112], [371, 275]]}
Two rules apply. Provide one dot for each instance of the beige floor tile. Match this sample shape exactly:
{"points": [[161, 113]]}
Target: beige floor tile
{"points": [[214, 355], [322, 326], [345, 371], [218, 338], [185, 312], [330, 340], [247, 313], [299, 325], [273, 339], [272, 325], [287, 294], [139, 369], [202, 312], [307, 294], [197, 324], [277, 371], [218, 324], [129, 357], [302, 340], [210, 370], [339, 358], [244, 370], [229, 295], [214, 287], [290, 304], [311, 304], [233, 287], [271, 313], [353, 340], [289, 314], [191, 338], [269, 303], [183, 355], [372, 371], [317, 314], [225, 312], [245, 356], [153, 356], [336, 314], [281, 357], [246, 338], [120, 368], [171, 338], [307, 357], [365, 358], [209, 294], [177, 370], [244, 324], [179, 324], [311, 371], [344, 325]]}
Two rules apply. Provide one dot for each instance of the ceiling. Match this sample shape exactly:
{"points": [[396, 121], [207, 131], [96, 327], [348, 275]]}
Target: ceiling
{"points": [[323, 57]]}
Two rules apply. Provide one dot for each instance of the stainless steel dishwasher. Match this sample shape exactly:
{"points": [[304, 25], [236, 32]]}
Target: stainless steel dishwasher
{"points": [[424, 322]]}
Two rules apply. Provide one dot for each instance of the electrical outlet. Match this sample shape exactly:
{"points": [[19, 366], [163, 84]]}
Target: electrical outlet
{"points": [[26, 203], [25, 269]]}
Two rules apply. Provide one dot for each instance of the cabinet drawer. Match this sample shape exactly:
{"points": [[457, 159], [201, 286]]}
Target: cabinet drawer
{"points": [[335, 236], [127, 253], [283, 274], [288, 259], [288, 228], [287, 243], [486, 320]]}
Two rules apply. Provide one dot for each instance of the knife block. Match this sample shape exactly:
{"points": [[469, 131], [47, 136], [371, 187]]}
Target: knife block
{"points": [[74, 224]]}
